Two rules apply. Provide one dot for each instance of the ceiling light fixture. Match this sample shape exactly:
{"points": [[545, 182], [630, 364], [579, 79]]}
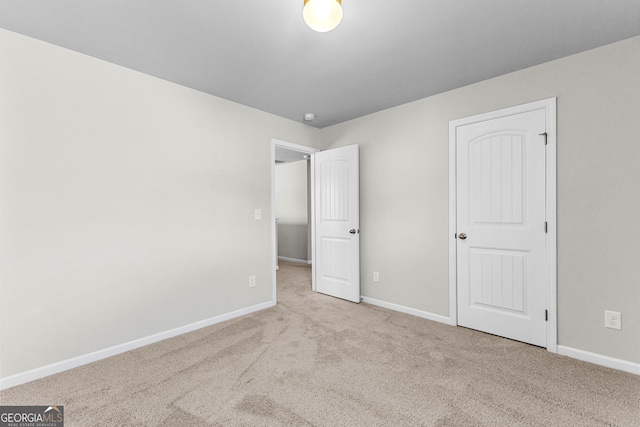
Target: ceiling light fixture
{"points": [[322, 15]]}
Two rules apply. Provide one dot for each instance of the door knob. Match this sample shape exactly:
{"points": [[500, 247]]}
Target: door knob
{"points": [[354, 231], [462, 236]]}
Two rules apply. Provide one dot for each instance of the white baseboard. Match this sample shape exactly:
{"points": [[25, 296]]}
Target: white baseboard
{"points": [[599, 359], [54, 368], [299, 261], [408, 310]]}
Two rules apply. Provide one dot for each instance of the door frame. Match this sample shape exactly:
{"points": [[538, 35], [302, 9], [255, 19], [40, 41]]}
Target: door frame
{"points": [[549, 105], [274, 255]]}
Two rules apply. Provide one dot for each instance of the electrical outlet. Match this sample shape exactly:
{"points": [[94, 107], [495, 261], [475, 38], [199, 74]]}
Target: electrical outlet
{"points": [[612, 320], [376, 276], [252, 281], [258, 214]]}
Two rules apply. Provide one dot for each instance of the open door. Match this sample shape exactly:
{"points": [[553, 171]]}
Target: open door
{"points": [[337, 222]]}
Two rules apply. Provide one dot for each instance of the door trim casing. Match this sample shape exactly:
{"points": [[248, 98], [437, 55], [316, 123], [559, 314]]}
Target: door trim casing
{"points": [[549, 105]]}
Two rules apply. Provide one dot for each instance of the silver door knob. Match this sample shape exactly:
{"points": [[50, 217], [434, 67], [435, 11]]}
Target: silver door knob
{"points": [[462, 236], [353, 231]]}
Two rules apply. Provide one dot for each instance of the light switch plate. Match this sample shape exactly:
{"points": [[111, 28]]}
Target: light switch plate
{"points": [[258, 214]]}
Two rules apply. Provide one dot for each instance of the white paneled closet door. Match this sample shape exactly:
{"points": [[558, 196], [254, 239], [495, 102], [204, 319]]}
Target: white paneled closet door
{"points": [[501, 226]]}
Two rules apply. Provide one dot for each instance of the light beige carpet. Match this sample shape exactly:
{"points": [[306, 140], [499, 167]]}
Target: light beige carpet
{"points": [[314, 360]]}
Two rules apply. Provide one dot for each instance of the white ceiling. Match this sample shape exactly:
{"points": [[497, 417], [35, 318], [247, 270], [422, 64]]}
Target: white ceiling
{"points": [[384, 53]]}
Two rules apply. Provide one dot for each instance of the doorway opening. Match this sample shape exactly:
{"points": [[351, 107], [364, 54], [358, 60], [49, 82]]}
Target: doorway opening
{"points": [[291, 206]]}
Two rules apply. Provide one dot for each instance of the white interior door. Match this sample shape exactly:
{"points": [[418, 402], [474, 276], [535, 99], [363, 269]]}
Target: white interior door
{"points": [[337, 223], [501, 226]]}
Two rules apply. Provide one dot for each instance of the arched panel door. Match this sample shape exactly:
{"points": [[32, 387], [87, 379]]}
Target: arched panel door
{"points": [[337, 222]]}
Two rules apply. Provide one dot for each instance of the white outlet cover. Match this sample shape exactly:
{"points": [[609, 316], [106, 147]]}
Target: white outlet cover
{"points": [[612, 319], [258, 214], [252, 281]]}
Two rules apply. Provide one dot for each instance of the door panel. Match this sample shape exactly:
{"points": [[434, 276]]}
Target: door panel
{"points": [[337, 252], [334, 180], [501, 209], [500, 279], [496, 179]]}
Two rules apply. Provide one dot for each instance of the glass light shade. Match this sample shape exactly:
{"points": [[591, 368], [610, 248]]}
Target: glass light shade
{"points": [[322, 15]]}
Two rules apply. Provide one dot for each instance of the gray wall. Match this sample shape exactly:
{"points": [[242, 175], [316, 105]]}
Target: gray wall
{"points": [[127, 204], [127, 201], [291, 191], [404, 192], [293, 241], [291, 198]]}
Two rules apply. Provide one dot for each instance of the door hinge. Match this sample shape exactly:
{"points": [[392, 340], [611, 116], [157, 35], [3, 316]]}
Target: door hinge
{"points": [[546, 227], [545, 137], [546, 315]]}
